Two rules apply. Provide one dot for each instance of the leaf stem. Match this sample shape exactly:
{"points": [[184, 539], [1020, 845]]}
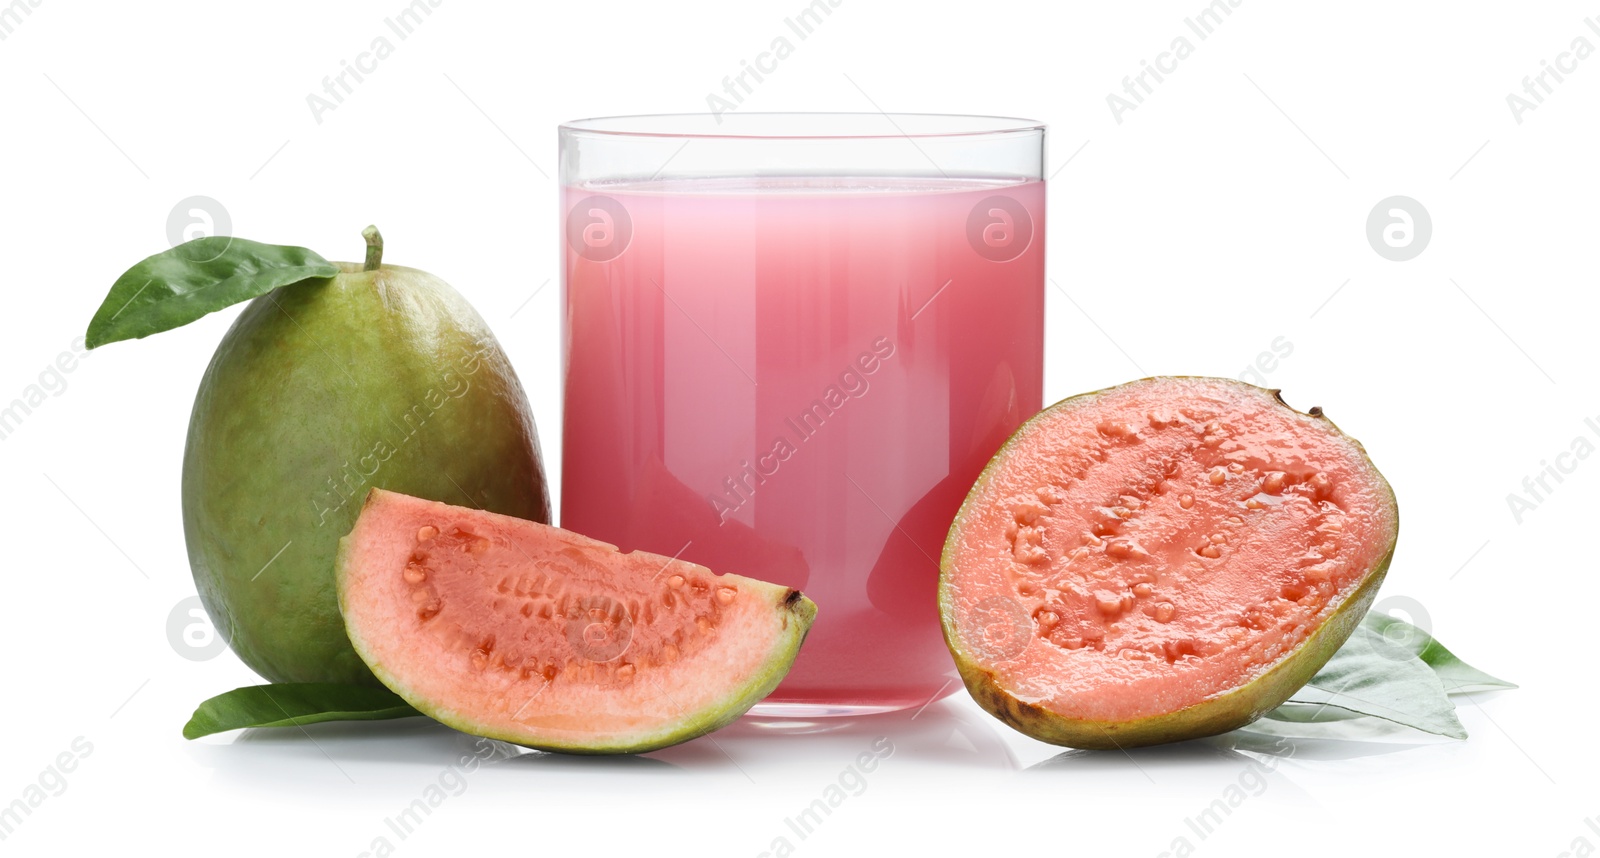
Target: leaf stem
{"points": [[374, 248]]}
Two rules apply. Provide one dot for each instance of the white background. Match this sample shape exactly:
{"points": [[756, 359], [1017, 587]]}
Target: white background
{"points": [[1226, 211]]}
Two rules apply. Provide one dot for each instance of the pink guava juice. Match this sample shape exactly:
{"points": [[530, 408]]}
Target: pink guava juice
{"points": [[799, 379]]}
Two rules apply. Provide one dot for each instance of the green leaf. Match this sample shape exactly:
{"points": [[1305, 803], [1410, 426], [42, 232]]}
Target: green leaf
{"points": [[177, 286], [1301, 723], [1377, 662], [1305, 713], [1458, 676], [1369, 675], [293, 704]]}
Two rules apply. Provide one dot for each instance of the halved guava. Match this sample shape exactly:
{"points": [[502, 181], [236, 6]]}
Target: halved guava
{"points": [[1164, 560], [538, 636]]}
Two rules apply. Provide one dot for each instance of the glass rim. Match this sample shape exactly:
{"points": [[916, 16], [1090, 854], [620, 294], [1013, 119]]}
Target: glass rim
{"points": [[795, 125]]}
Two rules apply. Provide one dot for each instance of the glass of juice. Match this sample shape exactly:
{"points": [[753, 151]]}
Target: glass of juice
{"points": [[792, 341]]}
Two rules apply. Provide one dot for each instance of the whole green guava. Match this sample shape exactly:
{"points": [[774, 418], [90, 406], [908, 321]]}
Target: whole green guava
{"points": [[380, 376]]}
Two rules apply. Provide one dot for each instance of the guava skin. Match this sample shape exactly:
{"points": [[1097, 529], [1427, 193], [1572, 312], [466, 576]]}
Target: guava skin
{"points": [[320, 391], [1218, 714]]}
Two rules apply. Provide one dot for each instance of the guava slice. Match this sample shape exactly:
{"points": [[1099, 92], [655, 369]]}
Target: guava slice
{"points": [[534, 635], [1164, 560]]}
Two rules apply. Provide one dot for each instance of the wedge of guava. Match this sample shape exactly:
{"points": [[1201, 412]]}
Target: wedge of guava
{"points": [[1164, 560], [538, 636]]}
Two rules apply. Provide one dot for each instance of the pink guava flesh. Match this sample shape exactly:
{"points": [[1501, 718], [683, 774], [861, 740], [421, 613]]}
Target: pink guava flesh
{"points": [[530, 633], [1135, 552]]}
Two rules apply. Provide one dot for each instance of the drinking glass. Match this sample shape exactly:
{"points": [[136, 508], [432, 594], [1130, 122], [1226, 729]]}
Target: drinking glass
{"points": [[791, 342]]}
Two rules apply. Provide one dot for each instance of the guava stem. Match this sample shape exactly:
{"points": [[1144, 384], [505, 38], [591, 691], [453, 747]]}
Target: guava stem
{"points": [[374, 248]]}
